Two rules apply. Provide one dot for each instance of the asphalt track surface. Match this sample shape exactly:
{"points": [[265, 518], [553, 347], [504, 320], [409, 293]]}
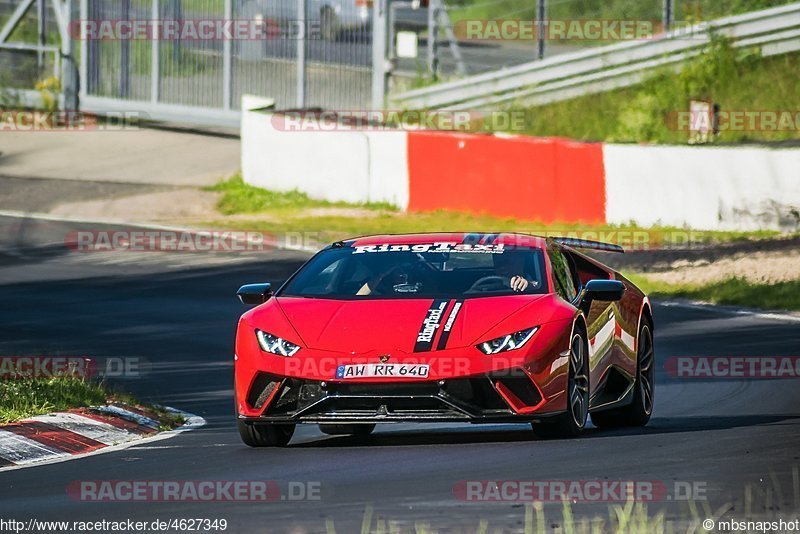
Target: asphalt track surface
{"points": [[178, 311]]}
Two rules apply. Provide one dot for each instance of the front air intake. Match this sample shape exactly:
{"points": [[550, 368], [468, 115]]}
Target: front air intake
{"points": [[262, 388]]}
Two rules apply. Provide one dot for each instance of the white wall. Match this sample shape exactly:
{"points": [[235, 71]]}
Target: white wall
{"points": [[355, 166], [703, 188], [388, 168]]}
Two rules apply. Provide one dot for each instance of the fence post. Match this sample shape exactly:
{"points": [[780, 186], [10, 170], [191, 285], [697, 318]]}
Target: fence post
{"points": [[177, 14], [668, 14], [301, 54], [125, 55], [541, 27], [41, 31], [84, 65], [379, 30], [433, 48], [447, 25], [70, 88], [155, 54], [91, 82], [227, 61]]}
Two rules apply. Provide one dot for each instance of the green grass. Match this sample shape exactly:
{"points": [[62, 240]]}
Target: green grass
{"points": [[738, 80], [758, 503], [239, 197], [291, 212], [26, 397], [686, 10], [734, 291]]}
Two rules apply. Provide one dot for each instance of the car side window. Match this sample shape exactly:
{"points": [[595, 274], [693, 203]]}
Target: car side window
{"points": [[562, 275], [574, 274]]}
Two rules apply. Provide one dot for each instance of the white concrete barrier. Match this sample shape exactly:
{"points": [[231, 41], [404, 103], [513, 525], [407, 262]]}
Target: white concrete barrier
{"points": [[704, 188], [349, 166]]}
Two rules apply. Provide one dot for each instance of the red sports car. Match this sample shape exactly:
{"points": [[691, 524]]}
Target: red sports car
{"points": [[477, 328]]}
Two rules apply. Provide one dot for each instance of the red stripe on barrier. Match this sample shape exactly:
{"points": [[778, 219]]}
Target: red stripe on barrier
{"points": [[542, 179], [55, 437]]}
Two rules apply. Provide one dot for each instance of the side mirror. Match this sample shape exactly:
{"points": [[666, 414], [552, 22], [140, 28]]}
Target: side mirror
{"points": [[255, 293], [604, 290]]}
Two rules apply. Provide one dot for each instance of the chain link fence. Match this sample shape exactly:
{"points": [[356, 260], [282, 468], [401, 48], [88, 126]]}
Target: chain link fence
{"points": [[22, 65], [215, 72], [300, 53]]}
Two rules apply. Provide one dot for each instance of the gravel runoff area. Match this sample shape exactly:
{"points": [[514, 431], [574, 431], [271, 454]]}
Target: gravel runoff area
{"points": [[765, 261]]}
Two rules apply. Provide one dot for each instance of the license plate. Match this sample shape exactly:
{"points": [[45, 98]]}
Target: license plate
{"points": [[375, 370]]}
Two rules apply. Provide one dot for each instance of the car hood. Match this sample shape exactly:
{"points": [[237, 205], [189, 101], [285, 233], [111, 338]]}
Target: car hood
{"points": [[403, 325]]}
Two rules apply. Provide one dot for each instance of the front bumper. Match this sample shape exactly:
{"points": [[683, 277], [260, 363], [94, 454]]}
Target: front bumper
{"points": [[483, 399]]}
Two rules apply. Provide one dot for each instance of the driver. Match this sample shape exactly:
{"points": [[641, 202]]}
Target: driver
{"points": [[393, 276], [512, 266]]}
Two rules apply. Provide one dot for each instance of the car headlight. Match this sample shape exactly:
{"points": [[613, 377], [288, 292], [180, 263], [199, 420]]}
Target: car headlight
{"points": [[276, 345], [508, 342]]}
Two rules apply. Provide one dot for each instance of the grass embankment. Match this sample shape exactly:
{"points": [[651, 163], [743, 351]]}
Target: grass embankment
{"points": [[22, 397], [254, 208], [26, 397], [239, 197], [733, 291], [686, 10], [738, 80]]}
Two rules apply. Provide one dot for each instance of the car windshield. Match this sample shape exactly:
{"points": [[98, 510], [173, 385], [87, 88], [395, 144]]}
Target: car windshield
{"points": [[420, 271]]}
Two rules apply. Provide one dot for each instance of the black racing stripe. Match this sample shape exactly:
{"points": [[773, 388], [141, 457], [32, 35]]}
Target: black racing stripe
{"points": [[448, 325], [430, 325], [488, 239]]}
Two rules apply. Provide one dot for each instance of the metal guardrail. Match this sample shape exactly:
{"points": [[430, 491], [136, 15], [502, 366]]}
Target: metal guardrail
{"points": [[775, 30]]}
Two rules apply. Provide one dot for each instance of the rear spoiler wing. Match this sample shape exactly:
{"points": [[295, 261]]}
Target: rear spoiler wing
{"points": [[588, 245]]}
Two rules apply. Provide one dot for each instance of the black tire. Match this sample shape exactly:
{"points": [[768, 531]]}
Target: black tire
{"points": [[329, 25], [638, 412], [265, 435], [571, 423], [354, 429]]}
